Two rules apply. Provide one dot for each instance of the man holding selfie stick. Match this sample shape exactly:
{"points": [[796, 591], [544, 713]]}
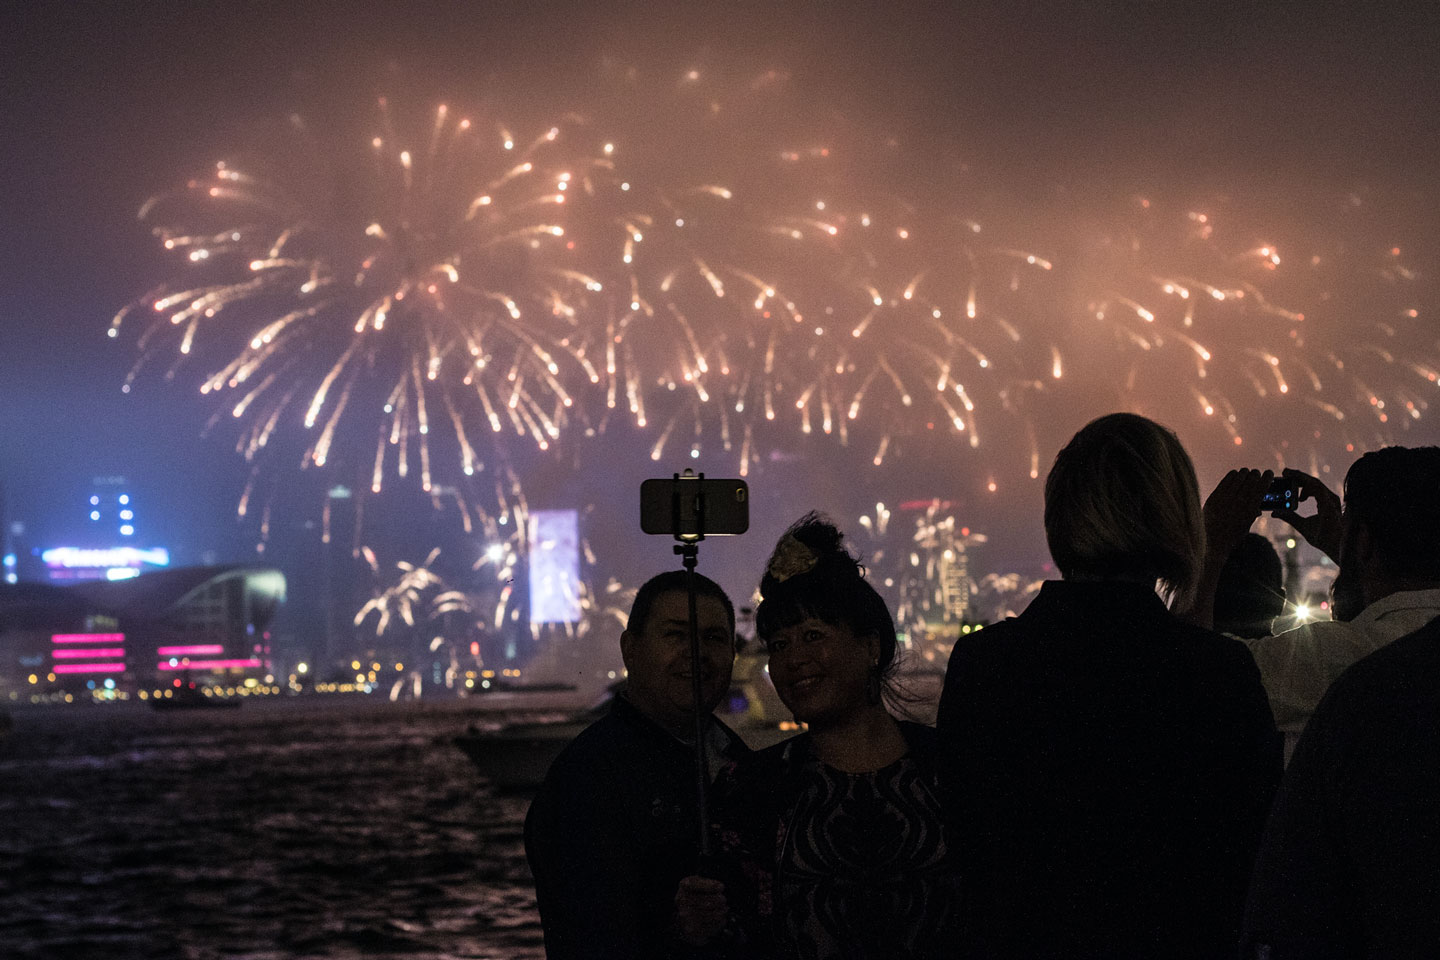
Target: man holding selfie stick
{"points": [[617, 823]]}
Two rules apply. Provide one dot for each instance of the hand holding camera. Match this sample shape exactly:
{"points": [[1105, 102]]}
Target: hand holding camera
{"points": [[1322, 528], [1235, 504]]}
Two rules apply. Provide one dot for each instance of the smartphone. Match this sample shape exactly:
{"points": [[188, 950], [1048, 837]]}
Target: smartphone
{"points": [[1284, 494], [689, 507]]}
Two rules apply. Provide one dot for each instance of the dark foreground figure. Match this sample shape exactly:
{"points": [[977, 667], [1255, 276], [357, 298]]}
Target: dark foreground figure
{"points": [[614, 827], [1106, 768], [1350, 866]]}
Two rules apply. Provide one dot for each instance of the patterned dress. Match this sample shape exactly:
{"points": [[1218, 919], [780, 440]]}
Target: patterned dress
{"points": [[825, 864]]}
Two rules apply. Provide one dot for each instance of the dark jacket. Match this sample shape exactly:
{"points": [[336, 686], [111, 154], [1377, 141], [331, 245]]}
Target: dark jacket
{"points": [[611, 833], [1350, 864], [1106, 771]]}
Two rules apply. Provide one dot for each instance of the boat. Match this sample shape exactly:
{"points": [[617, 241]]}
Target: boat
{"points": [[516, 756]]}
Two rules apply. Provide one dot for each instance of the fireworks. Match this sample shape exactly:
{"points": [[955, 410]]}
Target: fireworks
{"points": [[438, 618], [436, 300], [415, 588], [418, 292], [916, 555]]}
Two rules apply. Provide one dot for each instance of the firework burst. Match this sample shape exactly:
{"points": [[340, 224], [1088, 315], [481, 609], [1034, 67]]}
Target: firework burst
{"points": [[422, 292], [727, 276]]}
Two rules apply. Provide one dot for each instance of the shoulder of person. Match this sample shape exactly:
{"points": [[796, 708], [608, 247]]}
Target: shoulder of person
{"points": [[754, 781], [1412, 661], [1386, 698], [593, 758], [1208, 646], [978, 644], [764, 766], [736, 748]]}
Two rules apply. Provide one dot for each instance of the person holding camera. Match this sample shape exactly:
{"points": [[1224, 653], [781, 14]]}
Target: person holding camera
{"points": [[1106, 767], [614, 828], [1385, 537], [831, 844]]}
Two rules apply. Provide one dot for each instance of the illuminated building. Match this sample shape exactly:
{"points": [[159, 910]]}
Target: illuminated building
{"points": [[102, 563], [108, 547], [954, 575], [112, 511], [342, 576], [134, 633]]}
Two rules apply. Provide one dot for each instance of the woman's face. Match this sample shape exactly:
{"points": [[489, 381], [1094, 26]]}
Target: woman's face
{"points": [[820, 670]]}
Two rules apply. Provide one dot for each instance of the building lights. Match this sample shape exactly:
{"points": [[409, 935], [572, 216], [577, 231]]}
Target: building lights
{"points": [[189, 664], [89, 668], [80, 557], [189, 650], [91, 638]]}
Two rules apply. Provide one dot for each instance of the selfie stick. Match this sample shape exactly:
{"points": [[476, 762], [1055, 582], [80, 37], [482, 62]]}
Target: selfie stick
{"points": [[688, 550]]}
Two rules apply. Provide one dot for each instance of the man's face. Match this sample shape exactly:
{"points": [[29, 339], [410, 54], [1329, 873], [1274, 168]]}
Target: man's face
{"points": [[658, 658]]}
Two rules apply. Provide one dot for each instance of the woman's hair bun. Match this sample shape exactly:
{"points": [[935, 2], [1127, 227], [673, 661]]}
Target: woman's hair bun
{"points": [[812, 546]]}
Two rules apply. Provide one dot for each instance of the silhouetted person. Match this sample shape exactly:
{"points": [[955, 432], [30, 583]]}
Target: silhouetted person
{"points": [[1106, 768], [832, 841], [1350, 865], [614, 828], [1386, 540], [1251, 593]]}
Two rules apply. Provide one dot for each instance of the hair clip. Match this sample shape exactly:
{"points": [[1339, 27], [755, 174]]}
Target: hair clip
{"points": [[791, 557]]}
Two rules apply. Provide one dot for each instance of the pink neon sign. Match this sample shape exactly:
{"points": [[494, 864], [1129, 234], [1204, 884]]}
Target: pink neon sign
{"points": [[88, 638], [208, 665], [191, 650], [89, 668], [82, 654]]}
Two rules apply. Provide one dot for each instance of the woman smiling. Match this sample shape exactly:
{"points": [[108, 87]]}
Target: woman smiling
{"points": [[831, 842]]}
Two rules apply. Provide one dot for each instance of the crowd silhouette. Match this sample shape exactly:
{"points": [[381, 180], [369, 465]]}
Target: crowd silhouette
{"points": [[1107, 775]]}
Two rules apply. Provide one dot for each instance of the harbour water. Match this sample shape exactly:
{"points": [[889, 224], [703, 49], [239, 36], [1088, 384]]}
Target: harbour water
{"points": [[312, 827]]}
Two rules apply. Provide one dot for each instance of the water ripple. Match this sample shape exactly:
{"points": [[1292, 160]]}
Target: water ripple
{"points": [[282, 830]]}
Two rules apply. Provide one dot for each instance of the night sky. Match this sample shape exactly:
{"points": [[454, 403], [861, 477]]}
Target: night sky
{"points": [[107, 103]]}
